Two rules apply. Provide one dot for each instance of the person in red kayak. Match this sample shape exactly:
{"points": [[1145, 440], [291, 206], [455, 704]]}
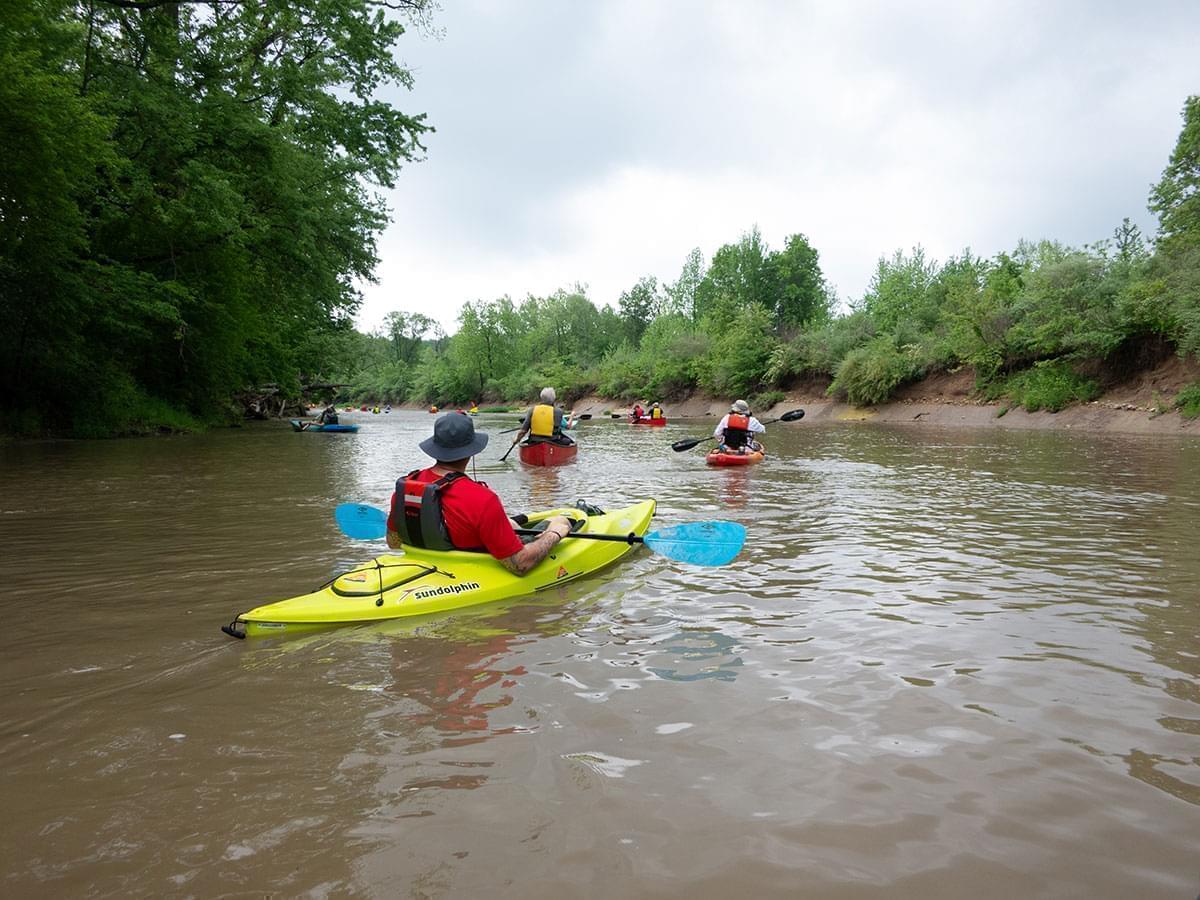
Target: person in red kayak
{"points": [[546, 422], [735, 429], [441, 508], [637, 412], [655, 410]]}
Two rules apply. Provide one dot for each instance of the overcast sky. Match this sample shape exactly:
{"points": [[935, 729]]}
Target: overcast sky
{"points": [[597, 142]]}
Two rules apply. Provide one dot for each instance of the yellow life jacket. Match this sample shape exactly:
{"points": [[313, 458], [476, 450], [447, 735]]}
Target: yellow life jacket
{"points": [[541, 422], [655, 412]]}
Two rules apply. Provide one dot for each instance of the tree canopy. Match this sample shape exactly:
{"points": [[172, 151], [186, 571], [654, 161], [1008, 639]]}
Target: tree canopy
{"points": [[192, 194]]}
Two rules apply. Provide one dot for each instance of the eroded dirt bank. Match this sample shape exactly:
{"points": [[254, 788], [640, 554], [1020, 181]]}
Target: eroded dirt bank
{"points": [[1139, 403]]}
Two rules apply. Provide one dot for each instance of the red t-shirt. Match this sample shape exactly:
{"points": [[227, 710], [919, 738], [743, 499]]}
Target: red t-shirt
{"points": [[474, 516]]}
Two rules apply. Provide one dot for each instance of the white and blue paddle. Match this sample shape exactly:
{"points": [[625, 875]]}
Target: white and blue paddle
{"points": [[699, 543]]}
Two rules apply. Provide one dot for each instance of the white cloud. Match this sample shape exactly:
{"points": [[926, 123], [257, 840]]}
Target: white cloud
{"points": [[600, 143]]}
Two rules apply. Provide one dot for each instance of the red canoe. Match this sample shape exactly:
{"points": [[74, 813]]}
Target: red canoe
{"points": [[716, 458], [646, 420], [545, 453]]}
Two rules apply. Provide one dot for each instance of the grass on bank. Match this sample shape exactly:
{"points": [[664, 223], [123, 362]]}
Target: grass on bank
{"points": [[1187, 401], [1051, 385]]}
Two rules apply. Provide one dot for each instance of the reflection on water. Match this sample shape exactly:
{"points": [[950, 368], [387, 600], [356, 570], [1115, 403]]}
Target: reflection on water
{"points": [[735, 487], [699, 654], [947, 663]]}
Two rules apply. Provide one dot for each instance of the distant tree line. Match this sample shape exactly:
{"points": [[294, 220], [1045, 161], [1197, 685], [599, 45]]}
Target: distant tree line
{"points": [[1032, 323]]}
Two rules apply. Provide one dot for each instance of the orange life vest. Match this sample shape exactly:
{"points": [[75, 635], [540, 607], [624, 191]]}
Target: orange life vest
{"points": [[737, 431]]}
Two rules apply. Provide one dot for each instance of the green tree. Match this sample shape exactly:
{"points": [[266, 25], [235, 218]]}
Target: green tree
{"points": [[739, 276], [803, 298], [223, 160], [639, 305], [407, 333], [1176, 197], [681, 294], [899, 292]]}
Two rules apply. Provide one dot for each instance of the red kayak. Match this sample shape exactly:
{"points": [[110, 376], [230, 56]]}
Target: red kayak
{"points": [[545, 453], [646, 420], [716, 458]]}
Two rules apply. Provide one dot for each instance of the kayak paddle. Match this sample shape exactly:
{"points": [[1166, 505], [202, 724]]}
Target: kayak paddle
{"points": [[699, 543], [794, 415], [361, 522]]}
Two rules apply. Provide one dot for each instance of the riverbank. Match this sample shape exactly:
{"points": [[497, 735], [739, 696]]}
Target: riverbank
{"points": [[1137, 403]]}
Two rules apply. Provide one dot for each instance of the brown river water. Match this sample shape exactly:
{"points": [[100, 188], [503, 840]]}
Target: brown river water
{"points": [[947, 664]]}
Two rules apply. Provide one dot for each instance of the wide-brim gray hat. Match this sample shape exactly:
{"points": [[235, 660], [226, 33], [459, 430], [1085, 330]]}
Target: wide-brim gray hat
{"points": [[741, 406], [454, 438]]}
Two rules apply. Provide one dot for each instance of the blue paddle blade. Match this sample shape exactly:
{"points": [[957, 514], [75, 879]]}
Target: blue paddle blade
{"points": [[363, 523], [699, 543]]}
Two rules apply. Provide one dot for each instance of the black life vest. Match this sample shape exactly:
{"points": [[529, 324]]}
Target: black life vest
{"points": [[737, 431], [419, 519]]}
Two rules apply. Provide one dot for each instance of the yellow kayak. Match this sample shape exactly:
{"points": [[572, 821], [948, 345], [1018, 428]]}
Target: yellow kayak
{"points": [[417, 582]]}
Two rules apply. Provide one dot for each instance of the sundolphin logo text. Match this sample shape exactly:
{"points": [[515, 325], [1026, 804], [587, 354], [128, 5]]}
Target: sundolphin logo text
{"points": [[447, 589]]}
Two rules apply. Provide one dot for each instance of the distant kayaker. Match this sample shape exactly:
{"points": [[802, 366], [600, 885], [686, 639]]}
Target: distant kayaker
{"points": [[736, 427], [441, 508], [655, 410], [637, 412], [328, 416], [545, 422]]}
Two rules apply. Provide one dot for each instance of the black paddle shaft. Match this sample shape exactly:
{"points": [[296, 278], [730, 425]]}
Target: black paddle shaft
{"points": [[630, 538]]}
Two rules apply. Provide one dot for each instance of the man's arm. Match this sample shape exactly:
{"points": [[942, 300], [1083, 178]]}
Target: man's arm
{"points": [[524, 426], [533, 553], [720, 429]]}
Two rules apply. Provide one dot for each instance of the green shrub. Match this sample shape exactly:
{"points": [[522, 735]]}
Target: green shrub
{"points": [[623, 373], [869, 374], [1187, 401], [675, 368], [821, 351], [125, 408], [766, 399], [740, 354], [1069, 306], [1050, 385]]}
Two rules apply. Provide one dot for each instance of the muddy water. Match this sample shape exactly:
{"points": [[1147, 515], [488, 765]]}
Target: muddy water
{"points": [[947, 664]]}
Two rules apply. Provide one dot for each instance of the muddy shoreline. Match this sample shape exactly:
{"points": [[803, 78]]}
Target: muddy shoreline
{"points": [[1103, 415], [1138, 402], [1097, 416]]}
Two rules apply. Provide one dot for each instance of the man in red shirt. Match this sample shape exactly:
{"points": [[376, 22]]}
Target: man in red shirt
{"points": [[441, 508]]}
